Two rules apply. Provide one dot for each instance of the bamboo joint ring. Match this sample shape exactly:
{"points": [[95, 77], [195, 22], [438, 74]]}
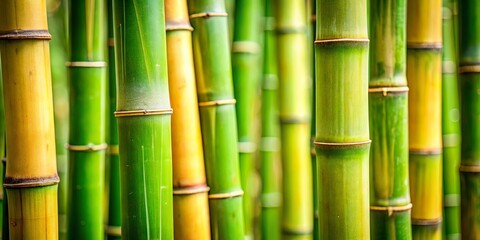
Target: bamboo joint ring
{"points": [[341, 41], [25, 35], [247, 147], [143, 112], [217, 103], [178, 26], [15, 183], [424, 45], [386, 90], [469, 69], [208, 14], [426, 222], [99, 64], [391, 209], [113, 149], [111, 42], [225, 195], [86, 148], [115, 231], [346, 144], [190, 190], [245, 47], [469, 168]]}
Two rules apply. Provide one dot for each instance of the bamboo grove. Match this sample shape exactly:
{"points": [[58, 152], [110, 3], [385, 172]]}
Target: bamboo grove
{"points": [[240, 119]]}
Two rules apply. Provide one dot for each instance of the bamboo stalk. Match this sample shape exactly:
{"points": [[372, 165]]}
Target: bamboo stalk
{"points": [[450, 126], [190, 194], [56, 19], [230, 9], [342, 133], [217, 117], [3, 197], [390, 205], [144, 120], [113, 228], [424, 41], [86, 143], [31, 175], [5, 231], [270, 134], [469, 65], [294, 114], [246, 73]]}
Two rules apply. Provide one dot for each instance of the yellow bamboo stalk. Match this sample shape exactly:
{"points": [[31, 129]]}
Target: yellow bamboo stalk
{"points": [[190, 193], [31, 174]]}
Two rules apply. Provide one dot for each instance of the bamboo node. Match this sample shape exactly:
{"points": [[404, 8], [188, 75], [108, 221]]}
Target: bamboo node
{"points": [[424, 45], [469, 168], [245, 47], [113, 150], [247, 147], [345, 144], [271, 200], [270, 144], [143, 112], [111, 42], [208, 14], [451, 200], [225, 195], [391, 209], [451, 140], [446, 13], [98, 64], [296, 232], [178, 26], [217, 102], [449, 67], [426, 222], [15, 183], [190, 190], [469, 69], [25, 35], [435, 151], [290, 30], [294, 120], [386, 90], [115, 231], [313, 18], [341, 41], [86, 148]]}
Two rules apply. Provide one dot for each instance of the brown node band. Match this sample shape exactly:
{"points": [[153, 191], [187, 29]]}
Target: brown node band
{"points": [[111, 42], [190, 190], [342, 144], [313, 18], [424, 45], [217, 102], [290, 30], [296, 232], [208, 14], [178, 26], [86, 148], [245, 47], [113, 150], [99, 64], [469, 69], [437, 151], [225, 195], [294, 120], [143, 112], [426, 222], [386, 90], [341, 40], [391, 209], [10, 182], [115, 231], [25, 35], [469, 168]]}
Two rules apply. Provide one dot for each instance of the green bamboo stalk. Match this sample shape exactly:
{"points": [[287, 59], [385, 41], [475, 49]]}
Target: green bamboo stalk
{"points": [[88, 82], [390, 205], [342, 132], [31, 176], [270, 143], [230, 8], [246, 72], [190, 191], [469, 65], [217, 117], [113, 228], [294, 114], [424, 39], [450, 126], [56, 19], [144, 120]]}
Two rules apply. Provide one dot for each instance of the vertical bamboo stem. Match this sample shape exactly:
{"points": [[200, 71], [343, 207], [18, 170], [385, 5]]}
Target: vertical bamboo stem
{"points": [[469, 65], [424, 39], [390, 205], [270, 142], [3, 197], [450, 126], [190, 191], [114, 221], [144, 120], [294, 114], [342, 133], [31, 176], [217, 117]]}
